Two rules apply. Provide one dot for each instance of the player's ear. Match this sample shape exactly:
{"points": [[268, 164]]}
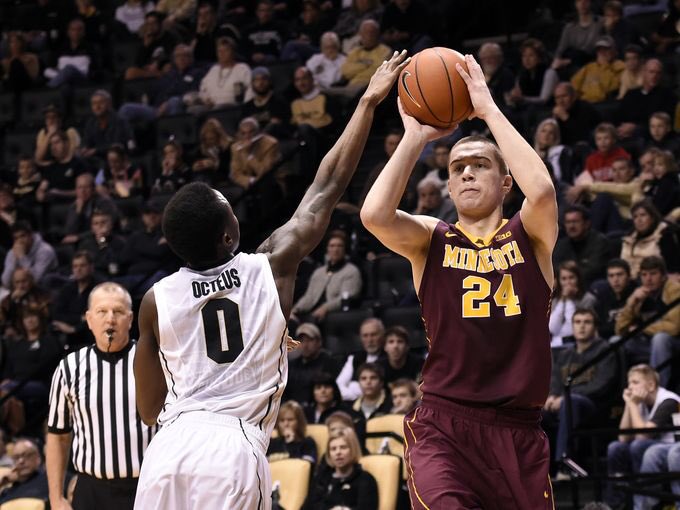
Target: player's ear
{"points": [[507, 184]]}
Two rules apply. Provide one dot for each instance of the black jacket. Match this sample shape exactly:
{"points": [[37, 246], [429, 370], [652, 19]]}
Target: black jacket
{"points": [[359, 491]]}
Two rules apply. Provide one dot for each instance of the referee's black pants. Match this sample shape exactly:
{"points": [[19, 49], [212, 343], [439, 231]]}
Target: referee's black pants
{"points": [[93, 493]]}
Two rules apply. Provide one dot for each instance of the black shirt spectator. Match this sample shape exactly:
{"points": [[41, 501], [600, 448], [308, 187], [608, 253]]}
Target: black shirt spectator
{"points": [[104, 128], [154, 52], [79, 214], [403, 24], [611, 295], [265, 37], [575, 118], [27, 478], [271, 112], [104, 246]]}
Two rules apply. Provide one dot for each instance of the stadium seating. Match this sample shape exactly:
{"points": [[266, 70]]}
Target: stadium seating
{"points": [[33, 102], [319, 433], [341, 330], [16, 144], [409, 317], [181, 128], [292, 476], [24, 504], [391, 425], [385, 470], [393, 279]]}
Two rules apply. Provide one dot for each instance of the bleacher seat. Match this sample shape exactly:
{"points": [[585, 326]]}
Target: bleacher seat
{"points": [[389, 424], [123, 55], [228, 117], [133, 91], [16, 144], [33, 102], [341, 330], [393, 279], [292, 476], [6, 109], [181, 128], [24, 504], [409, 317], [282, 75], [319, 433], [385, 470]]}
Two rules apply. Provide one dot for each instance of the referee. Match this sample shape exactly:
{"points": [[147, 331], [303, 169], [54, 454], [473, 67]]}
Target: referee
{"points": [[93, 412]]}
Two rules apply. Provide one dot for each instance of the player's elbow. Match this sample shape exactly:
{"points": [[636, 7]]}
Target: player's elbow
{"points": [[373, 217]]}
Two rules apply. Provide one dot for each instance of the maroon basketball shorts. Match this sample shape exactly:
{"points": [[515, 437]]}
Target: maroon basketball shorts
{"points": [[461, 457]]}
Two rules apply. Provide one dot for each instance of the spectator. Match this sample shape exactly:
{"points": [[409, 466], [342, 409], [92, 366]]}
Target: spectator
{"points": [[177, 13], [617, 27], [29, 252], [374, 400], [499, 78], [27, 478], [590, 391], [651, 236], [405, 25], [104, 128], [582, 244], [153, 56], [372, 335], [611, 295], [70, 304], [146, 257], [363, 60], [53, 124], [24, 296], [662, 186], [598, 166], [28, 181], [212, 158], [404, 393], [631, 77], [536, 81], [324, 398], [119, 179], [432, 203], [206, 33], [600, 80], [647, 405], [265, 37], [639, 104], [666, 37], [661, 134], [175, 173], [575, 117], [350, 18], [131, 14], [570, 293], [226, 84], [312, 107], [557, 156], [399, 363], [21, 68], [659, 458], [346, 484], [104, 246], [254, 154], [80, 211], [305, 33], [657, 342], [439, 168], [77, 61], [313, 359], [292, 441], [270, 111], [59, 177], [329, 284], [182, 78], [578, 38], [326, 66]]}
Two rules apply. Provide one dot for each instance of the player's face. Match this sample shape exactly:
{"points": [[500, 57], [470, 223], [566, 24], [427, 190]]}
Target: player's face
{"points": [[652, 279], [370, 384], [604, 141], [642, 220], [617, 278], [109, 310], [371, 337], [583, 327], [395, 347], [402, 400], [323, 394], [340, 453]]}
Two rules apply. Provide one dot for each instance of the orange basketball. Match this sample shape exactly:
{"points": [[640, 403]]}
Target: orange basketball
{"points": [[432, 91]]}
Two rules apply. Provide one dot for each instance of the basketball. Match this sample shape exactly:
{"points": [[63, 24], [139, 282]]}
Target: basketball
{"points": [[432, 91]]}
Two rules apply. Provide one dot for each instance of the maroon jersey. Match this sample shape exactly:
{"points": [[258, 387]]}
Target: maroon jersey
{"points": [[485, 305]]}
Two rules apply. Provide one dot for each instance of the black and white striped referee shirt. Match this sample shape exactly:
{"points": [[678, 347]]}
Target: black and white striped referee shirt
{"points": [[93, 396]]}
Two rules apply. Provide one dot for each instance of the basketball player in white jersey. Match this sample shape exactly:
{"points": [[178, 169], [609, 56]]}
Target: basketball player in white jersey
{"points": [[211, 362]]}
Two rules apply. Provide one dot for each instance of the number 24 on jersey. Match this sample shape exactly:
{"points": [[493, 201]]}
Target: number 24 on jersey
{"points": [[475, 300]]}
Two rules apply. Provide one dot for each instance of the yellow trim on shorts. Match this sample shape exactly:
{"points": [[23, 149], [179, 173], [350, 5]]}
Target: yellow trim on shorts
{"points": [[552, 494], [408, 460]]}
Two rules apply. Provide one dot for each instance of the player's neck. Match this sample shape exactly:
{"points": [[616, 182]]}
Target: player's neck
{"points": [[481, 227]]}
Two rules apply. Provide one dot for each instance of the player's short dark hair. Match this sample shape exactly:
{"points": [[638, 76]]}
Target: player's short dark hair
{"points": [[585, 310], [399, 331], [653, 262], [619, 263], [585, 214], [371, 367], [195, 222], [498, 156]]}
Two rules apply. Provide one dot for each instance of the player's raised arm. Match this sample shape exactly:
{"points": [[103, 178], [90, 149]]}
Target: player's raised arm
{"points": [[539, 211], [288, 245], [150, 381], [401, 232]]}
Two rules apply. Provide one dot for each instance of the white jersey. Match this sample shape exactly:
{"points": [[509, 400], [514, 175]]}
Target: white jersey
{"points": [[222, 341]]}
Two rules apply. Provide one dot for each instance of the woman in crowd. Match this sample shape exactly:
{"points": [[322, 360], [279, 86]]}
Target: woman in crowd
{"points": [[324, 400], [53, 124], [120, 179], [211, 161], [175, 172], [569, 294], [536, 80], [292, 441], [556, 156]]}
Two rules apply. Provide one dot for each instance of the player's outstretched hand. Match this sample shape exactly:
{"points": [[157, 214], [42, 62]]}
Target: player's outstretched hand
{"points": [[385, 76], [428, 133], [479, 91]]}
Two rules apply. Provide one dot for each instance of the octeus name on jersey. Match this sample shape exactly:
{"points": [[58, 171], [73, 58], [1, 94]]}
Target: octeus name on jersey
{"points": [[225, 281]]}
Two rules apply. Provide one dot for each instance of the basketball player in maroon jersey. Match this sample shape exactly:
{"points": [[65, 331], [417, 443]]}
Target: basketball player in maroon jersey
{"points": [[484, 286]]}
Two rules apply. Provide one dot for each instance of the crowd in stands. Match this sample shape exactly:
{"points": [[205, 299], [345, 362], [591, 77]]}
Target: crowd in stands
{"points": [[107, 107]]}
